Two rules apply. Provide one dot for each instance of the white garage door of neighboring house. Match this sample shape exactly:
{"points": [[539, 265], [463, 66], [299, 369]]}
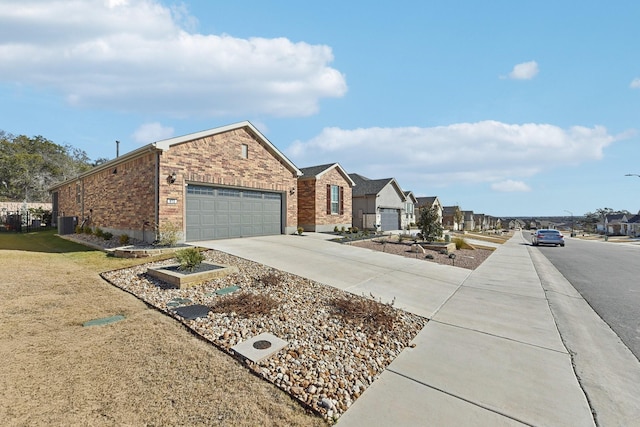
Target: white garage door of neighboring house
{"points": [[222, 213], [389, 219]]}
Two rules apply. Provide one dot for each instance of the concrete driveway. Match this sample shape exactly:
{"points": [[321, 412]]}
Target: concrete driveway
{"points": [[490, 355], [417, 286]]}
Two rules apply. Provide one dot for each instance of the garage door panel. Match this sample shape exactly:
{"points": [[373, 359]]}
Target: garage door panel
{"points": [[217, 213]]}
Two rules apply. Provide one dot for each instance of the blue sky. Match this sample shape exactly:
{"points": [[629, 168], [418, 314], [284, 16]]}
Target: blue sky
{"points": [[504, 108]]}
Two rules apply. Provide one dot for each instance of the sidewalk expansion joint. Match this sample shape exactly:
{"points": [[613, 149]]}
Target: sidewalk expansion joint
{"points": [[499, 336], [455, 396]]}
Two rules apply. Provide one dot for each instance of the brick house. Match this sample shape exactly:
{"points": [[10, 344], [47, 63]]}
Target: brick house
{"points": [[324, 198], [219, 183]]}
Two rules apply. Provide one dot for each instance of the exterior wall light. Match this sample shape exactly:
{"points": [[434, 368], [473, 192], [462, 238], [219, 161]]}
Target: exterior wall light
{"points": [[172, 178]]}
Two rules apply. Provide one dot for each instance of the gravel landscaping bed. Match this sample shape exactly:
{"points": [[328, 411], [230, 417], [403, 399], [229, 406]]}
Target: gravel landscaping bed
{"points": [[465, 258], [332, 356]]}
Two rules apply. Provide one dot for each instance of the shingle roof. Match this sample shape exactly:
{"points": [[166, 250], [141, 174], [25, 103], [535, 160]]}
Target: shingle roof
{"points": [[426, 201], [365, 186], [316, 171]]}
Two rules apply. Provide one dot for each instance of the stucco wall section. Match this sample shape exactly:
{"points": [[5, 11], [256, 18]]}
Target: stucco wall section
{"points": [[218, 160]]}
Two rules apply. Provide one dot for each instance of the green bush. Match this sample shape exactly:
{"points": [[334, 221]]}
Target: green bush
{"points": [[189, 258], [87, 230], [336, 229], [460, 243], [98, 232], [124, 239], [78, 229], [300, 230], [107, 236], [354, 230]]}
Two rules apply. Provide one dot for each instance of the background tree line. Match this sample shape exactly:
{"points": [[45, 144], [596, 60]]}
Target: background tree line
{"points": [[29, 166]]}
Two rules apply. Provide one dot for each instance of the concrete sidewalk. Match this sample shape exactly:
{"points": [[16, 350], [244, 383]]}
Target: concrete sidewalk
{"points": [[491, 353]]}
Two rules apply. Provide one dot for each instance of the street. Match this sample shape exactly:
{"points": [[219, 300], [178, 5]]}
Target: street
{"points": [[607, 275]]}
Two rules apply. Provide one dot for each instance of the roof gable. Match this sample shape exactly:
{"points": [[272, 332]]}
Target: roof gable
{"points": [[317, 172], [166, 144], [367, 187]]}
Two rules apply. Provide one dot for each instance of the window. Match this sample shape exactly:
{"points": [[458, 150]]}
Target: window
{"points": [[244, 151]]}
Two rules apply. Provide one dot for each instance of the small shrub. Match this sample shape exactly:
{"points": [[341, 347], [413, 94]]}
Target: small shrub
{"points": [[429, 256], [336, 229], [168, 234], [270, 279], [245, 304], [354, 230], [300, 230], [98, 232], [78, 229], [343, 229], [107, 236], [124, 239], [87, 230], [189, 258], [369, 313], [461, 243]]}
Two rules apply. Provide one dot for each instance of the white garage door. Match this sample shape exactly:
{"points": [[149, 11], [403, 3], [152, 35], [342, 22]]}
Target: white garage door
{"points": [[222, 213]]}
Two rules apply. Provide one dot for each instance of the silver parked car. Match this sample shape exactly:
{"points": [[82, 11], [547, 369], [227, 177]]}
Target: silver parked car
{"points": [[547, 237]]}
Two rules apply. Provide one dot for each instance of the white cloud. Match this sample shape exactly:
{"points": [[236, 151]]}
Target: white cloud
{"points": [[462, 153], [524, 71], [152, 132], [134, 55], [635, 83], [510, 186]]}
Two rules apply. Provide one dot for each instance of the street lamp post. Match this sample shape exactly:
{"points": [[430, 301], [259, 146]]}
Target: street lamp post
{"points": [[572, 232]]}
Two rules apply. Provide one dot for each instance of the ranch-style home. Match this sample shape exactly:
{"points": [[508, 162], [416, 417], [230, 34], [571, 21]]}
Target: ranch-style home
{"points": [[378, 204], [220, 183], [324, 198]]}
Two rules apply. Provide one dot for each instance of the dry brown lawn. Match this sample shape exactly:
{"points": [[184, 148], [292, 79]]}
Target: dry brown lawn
{"points": [[145, 370]]}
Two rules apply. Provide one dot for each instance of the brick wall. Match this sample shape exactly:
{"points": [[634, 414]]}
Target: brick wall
{"points": [[122, 202], [218, 160], [118, 199], [312, 197]]}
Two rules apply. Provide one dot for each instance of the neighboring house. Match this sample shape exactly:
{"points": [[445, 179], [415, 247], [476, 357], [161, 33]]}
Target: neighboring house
{"points": [[378, 204], [468, 221], [449, 221], [480, 222], [219, 183], [410, 210], [634, 225], [428, 203], [615, 224], [324, 198]]}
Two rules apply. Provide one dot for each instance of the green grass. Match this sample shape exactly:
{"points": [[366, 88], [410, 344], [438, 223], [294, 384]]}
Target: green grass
{"points": [[89, 258], [40, 241]]}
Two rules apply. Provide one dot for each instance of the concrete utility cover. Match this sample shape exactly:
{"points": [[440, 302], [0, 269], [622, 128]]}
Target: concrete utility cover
{"points": [[176, 302], [228, 290], [260, 347], [191, 312], [104, 321]]}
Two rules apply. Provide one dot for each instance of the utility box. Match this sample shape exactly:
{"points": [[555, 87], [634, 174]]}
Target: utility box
{"points": [[66, 225]]}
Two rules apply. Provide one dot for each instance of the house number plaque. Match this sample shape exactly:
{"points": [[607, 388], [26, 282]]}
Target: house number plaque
{"points": [[172, 201]]}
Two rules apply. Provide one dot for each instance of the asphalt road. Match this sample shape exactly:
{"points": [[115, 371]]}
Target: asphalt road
{"points": [[607, 275]]}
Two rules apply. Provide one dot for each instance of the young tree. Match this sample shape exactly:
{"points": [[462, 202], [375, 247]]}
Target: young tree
{"points": [[429, 223]]}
